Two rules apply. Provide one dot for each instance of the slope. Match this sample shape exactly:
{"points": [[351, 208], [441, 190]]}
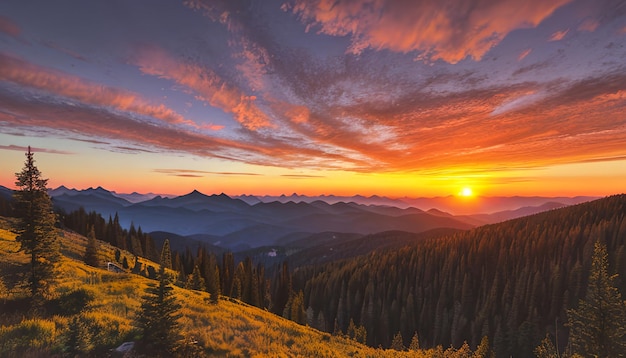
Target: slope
{"points": [[511, 281], [229, 328]]}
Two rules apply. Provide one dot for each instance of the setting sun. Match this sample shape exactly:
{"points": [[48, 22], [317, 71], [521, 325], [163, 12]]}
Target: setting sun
{"points": [[466, 192]]}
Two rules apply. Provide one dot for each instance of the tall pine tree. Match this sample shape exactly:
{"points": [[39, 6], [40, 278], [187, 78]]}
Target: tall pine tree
{"points": [[35, 228], [158, 319], [598, 325], [166, 255], [91, 251]]}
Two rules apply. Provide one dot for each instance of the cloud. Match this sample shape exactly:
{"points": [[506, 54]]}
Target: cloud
{"points": [[524, 53], [198, 173], [34, 149], [206, 84], [559, 35], [9, 27], [28, 111], [302, 176], [589, 25], [435, 30], [25, 74]]}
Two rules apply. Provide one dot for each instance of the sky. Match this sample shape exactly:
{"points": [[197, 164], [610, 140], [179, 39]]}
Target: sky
{"points": [[372, 97]]}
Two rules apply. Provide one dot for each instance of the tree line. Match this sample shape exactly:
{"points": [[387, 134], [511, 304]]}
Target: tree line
{"points": [[513, 282]]}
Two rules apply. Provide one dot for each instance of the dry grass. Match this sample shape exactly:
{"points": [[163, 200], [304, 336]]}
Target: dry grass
{"points": [[229, 328]]}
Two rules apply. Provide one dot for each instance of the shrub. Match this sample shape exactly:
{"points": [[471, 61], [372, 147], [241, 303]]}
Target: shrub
{"points": [[28, 335]]}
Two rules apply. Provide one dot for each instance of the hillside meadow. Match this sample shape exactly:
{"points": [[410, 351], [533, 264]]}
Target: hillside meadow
{"points": [[229, 328]]}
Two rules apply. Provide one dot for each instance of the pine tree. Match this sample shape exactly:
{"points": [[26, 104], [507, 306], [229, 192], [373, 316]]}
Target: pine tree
{"points": [[398, 343], [598, 325], [415, 343], [91, 252], [195, 280], [158, 319], [35, 229], [213, 282], [78, 338], [166, 255], [546, 349], [483, 350]]}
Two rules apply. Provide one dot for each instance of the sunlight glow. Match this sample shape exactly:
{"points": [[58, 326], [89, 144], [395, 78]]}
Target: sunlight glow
{"points": [[466, 192]]}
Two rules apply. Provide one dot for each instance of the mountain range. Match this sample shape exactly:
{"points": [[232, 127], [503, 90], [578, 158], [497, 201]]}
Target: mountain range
{"points": [[248, 222]]}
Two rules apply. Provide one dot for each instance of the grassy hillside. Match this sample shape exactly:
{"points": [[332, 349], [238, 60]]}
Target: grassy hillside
{"points": [[229, 328]]}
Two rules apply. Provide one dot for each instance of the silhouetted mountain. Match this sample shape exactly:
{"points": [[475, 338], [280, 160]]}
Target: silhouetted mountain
{"points": [[234, 224], [197, 201], [237, 225], [513, 214], [6, 193], [62, 190], [136, 197], [98, 199]]}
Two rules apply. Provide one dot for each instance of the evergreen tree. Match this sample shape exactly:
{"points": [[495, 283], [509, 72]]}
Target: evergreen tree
{"points": [[78, 339], [398, 343], [213, 282], [195, 280], [415, 343], [545, 349], [166, 255], [598, 325], [483, 350], [35, 228], [91, 252], [158, 319]]}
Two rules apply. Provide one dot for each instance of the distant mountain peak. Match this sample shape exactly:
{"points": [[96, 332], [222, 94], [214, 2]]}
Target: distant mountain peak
{"points": [[195, 192], [99, 189]]}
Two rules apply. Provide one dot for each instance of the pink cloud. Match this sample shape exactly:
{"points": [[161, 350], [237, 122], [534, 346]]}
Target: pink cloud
{"points": [[9, 27], [437, 30], [524, 53], [589, 25], [559, 35], [33, 149], [208, 86], [18, 71]]}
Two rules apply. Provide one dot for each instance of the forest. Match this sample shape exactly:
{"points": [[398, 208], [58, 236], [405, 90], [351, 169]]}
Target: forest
{"points": [[513, 281]]}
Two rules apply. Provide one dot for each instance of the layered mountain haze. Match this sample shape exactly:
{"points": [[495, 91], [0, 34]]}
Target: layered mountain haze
{"points": [[248, 222]]}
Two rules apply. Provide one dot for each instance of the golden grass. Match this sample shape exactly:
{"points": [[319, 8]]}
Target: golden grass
{"points": [[229, 328]]}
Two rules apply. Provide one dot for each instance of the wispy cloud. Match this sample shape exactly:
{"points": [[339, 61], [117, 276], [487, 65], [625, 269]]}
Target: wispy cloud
{"points": [[25, 74], [302, 176], [207, 85], [436, 30], [200, 173], [524, 53], [589, 25], [9, 27], [559, 35], [34, 149]]}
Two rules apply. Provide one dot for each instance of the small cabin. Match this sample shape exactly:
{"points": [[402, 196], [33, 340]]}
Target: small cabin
{"points": [[113, 267]]}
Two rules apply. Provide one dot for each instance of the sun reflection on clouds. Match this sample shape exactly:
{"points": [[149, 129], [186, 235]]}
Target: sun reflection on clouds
{"points": [[419, 94]]}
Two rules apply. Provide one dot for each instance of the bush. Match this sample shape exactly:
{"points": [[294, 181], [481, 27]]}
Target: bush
{"points": [[28, 335], [72, 303]]}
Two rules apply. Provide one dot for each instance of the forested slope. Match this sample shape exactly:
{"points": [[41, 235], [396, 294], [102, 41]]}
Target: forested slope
{"points": [[510, 281]]}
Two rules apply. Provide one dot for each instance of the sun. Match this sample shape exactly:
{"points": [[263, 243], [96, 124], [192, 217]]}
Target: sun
{"points": [[466, 192]]}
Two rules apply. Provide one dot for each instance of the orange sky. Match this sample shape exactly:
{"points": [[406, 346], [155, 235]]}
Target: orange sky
{"points": [[317, 97]]}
